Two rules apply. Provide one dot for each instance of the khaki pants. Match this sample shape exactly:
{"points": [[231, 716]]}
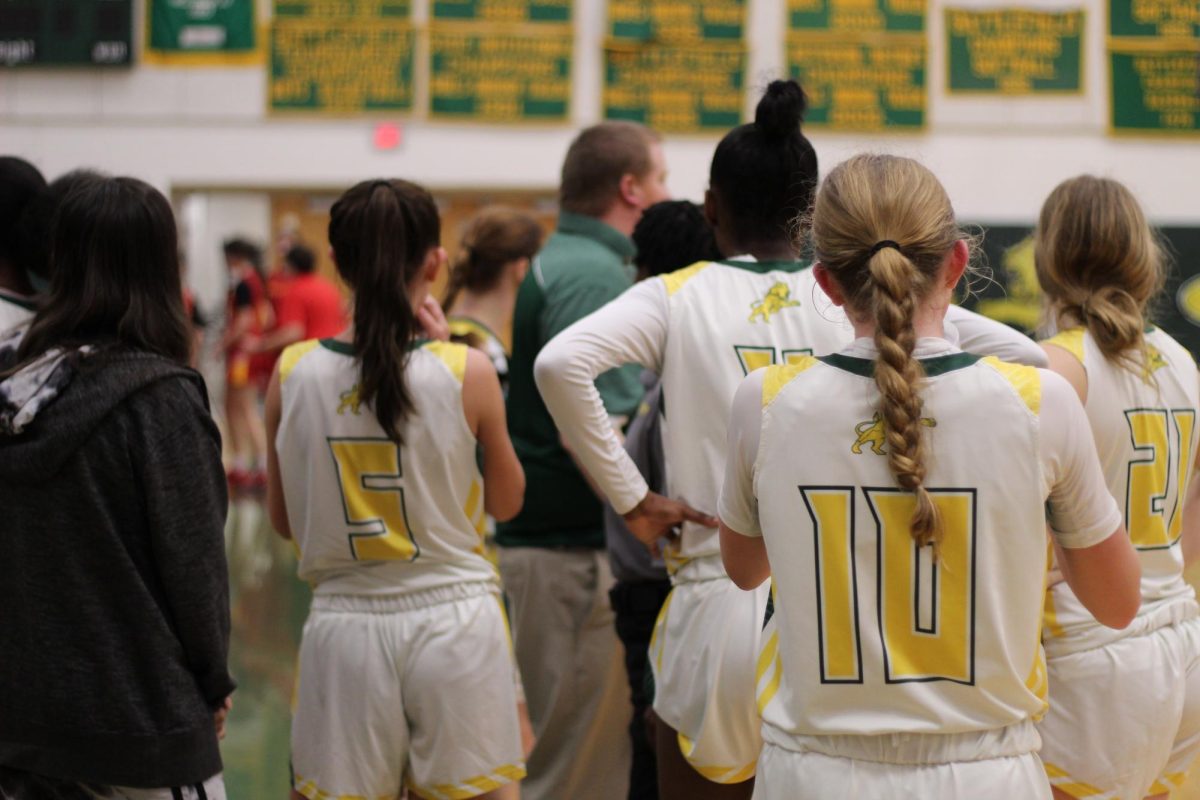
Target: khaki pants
{"points": [[570, 661]]}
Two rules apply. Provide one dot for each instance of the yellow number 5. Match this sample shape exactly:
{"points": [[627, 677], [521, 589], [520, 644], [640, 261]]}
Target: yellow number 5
{"points": [[372, 485]]}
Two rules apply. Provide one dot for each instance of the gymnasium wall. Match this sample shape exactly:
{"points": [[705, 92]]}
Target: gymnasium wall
{"points": [[184, 127]]}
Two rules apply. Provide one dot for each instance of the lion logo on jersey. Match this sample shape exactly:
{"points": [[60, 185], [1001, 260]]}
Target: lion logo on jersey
{"points": [[348, 400], [871, 432], [778, 297], [1154, 359]]}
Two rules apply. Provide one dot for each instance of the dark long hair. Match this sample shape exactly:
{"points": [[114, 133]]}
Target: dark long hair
{"points": [[381, 233], [115, 264]]}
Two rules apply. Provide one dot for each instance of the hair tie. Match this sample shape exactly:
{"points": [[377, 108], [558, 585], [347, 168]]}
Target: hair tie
{"points": [[883, 245]]}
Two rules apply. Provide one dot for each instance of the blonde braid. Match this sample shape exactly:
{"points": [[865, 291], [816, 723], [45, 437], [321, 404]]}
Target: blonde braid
{"points": [[883, 226], [896, 284]]}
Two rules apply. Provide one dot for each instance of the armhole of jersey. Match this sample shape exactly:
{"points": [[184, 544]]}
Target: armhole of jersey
{"points": [[1070, 340], [453, 355], [674, 281], [1025, 381], [292, 355], [780, 375]]}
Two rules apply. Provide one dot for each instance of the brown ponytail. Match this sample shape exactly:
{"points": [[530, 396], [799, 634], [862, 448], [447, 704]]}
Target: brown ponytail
{"points": [[1099, 263], [381, 233], [874, 200]]}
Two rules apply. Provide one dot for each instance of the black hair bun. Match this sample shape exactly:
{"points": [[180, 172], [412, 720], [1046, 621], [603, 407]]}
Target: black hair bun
{"points": [[781, 110]]}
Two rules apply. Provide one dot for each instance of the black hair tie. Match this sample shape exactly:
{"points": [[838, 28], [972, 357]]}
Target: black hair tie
{"points": [[883, 245]]}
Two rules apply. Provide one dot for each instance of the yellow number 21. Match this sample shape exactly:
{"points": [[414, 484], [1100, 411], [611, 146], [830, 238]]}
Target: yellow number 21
{"points": [[372, 485], [1166, 451]]}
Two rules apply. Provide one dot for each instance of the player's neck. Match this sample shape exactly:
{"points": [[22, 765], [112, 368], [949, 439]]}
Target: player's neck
{"points": [[778, 250], [927, 323], [493, 308]]}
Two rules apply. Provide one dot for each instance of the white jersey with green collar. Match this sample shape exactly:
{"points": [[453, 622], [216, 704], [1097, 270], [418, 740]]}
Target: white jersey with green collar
{"points": [[703, 329], [870, 634], [369, 516], [1145, 428]]}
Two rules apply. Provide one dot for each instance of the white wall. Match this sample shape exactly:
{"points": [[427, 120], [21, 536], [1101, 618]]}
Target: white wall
{"points": [[209, 128]]}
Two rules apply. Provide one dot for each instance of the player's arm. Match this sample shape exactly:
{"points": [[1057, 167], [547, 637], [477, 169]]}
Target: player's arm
{"points": [[630, 330], [286, 334], [985, 337], [178, 462], [1094, 553], [483, 405], [742, 547], [276, 508]]}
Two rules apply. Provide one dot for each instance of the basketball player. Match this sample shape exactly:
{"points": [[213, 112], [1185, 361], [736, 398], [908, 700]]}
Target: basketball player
{"points": [[703, 329], [406, 671], [1124, 721], [496, 250], [896, 492]]}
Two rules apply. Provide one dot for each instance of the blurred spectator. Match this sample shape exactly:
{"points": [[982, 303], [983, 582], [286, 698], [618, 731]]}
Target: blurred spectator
{"points": [[307, 305], [20, 185]]}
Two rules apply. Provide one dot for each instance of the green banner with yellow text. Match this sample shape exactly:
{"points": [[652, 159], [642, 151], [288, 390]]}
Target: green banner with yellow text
{"points": [[675, 89], [857, 83], [491, 75], [1014, 51]]}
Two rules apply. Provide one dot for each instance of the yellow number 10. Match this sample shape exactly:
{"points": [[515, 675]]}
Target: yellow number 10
{"points": [[926, 609], [372, 486], [1167, 457]]}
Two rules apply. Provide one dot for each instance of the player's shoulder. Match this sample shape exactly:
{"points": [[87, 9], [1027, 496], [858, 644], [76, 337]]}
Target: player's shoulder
{"points": [[1026, 382], [1070, 340], [675, 281], [293, 355], [454, 357], [778, 377]]}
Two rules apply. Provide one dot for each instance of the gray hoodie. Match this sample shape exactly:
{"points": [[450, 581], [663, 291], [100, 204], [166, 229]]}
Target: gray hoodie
{"points": [[114, 604]]}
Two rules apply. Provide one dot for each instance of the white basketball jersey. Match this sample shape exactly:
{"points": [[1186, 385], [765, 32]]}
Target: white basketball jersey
{"points": [[870, 634], [367, 515], [1145, 431], [726, 320]]}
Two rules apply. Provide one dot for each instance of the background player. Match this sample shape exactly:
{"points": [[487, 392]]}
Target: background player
{"points": [[248, 314], [1099, 265], [496, 250], [406, 672], [908, 575]]}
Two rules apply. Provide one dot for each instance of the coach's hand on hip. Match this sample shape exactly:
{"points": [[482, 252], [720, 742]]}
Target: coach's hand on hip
{"points": [[657, 517]]}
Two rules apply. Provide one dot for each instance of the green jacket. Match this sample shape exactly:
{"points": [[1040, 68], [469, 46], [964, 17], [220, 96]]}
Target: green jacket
{"points": [[584, 265]]}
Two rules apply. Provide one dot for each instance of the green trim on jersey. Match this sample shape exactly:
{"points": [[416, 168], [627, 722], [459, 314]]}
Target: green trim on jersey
{"points": [[347, 349], [937, 365], [476, 327], [27, 303], [763, 267]]}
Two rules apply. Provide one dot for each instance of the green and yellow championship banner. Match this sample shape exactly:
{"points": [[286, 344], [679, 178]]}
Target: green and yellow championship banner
{"points": [[1154, 66], [1014, 51], [678, 66], [505, 11], [675, 88], [487, 74], [862, 62], [676, 20], [341, 57]]}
